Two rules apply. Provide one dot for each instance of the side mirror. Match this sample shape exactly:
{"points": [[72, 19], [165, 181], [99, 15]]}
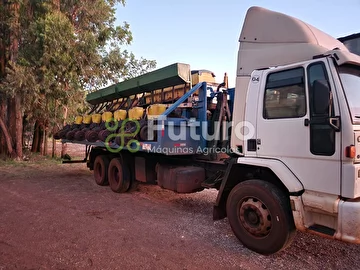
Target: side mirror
{"points": [[321, 97]]}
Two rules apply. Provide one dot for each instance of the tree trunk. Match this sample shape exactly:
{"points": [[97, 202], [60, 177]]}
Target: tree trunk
{"points": [[53, 153], [64, 145], [41, 144], [18, 127], [14, 31], [11, 119], [24, 133], [45, 148], [37, 138], [2, 41], [15, 124], [3, 104], [63, 150], [3, 114], [7, 137], [14, 116]]}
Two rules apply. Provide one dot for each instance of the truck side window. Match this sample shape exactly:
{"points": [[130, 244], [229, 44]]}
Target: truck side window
{"points": [[285, 95], [322, 135], [315, 72]]}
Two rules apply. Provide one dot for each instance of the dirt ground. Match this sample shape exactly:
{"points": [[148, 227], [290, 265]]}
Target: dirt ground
{"points": [[54, 216]]}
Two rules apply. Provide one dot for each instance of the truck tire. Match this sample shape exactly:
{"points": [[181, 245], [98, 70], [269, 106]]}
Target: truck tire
{"points": [[260, 216], [119, 175], [101, 166]]}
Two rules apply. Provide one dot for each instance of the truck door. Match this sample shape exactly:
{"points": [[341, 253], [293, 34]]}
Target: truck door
{"points": [[289, 128]]}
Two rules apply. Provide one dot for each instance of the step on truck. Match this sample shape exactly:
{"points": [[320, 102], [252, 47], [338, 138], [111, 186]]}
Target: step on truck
{"points": [[282, 148]]}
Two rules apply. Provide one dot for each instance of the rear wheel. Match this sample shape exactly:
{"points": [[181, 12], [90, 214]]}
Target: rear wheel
{"points": [[119, 175], [101, 166], [260, 216]]}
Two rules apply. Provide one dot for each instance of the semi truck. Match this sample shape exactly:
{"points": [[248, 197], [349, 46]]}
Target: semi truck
{"points": [[282, 148]]}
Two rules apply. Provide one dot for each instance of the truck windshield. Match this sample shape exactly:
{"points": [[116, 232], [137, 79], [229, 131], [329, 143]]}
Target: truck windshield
{"points": [[350, 79]]}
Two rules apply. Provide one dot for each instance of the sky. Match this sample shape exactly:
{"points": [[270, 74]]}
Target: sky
{"points": [[205, 33]]}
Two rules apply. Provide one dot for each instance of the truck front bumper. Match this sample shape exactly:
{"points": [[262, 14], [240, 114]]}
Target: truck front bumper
{"points": [[349, 221]]}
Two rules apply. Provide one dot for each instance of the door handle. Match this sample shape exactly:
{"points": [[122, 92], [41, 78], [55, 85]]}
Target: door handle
{"points": [[306, 122], [335, 123]]}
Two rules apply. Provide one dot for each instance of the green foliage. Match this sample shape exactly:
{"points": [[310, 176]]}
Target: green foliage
{"points": [[65, 48]]}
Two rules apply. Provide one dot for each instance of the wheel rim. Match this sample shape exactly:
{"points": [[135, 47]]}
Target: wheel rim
{"points": [[255, 217]]}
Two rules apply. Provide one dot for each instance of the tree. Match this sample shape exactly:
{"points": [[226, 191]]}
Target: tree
{"points": [[55, 51], [11, 103]]}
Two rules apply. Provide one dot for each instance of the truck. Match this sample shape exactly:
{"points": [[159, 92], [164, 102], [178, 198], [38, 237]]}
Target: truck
{"points": [[282, 147]]}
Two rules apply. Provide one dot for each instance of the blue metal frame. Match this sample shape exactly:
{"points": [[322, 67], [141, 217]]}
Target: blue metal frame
{"points": [[231, 93], [163, 140], [202, 96]]}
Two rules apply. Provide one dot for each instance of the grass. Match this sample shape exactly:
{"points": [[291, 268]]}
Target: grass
{"points": [[34, 158], [76, 152]]}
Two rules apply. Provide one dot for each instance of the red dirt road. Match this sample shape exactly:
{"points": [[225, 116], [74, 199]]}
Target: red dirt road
{"points": [[54, 216]]}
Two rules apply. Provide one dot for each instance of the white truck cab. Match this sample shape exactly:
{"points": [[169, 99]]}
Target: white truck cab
{"points": [[299, 89]]}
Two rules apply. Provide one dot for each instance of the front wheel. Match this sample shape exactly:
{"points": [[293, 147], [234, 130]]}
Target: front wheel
{"points": [[260, 216]]}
